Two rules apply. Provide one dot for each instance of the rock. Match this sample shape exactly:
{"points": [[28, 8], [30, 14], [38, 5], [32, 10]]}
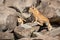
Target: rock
{"points": [[6, 36], [24, 30], [25, 39], [1, 2], [54, 32], [30, 19], [19, 4], [8, 18], [9, 2], [21, 32], [40, 36], [25, 26], [34, 26], [7, 10], [26, 15], [43, 37]]}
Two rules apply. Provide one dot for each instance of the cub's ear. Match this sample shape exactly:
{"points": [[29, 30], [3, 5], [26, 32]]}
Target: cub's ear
{"points": [[32, 6]]}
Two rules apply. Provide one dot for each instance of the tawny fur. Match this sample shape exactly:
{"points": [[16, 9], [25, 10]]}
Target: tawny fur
{"points": [[20, 20], [40, 18]]}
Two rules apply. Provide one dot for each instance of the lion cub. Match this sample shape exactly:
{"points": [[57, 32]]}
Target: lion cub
{"points": [[40, 18]]}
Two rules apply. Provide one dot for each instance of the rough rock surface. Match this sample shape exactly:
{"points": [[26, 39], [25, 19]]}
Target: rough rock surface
{"points": [[1, 2], [25, 30], [8, 18], [19, 4], [25, 39], [6, 36]]}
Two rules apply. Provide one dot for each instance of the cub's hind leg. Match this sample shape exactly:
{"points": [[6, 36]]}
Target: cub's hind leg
{"points": [[38, 21], [35, 19], [49, 26]]}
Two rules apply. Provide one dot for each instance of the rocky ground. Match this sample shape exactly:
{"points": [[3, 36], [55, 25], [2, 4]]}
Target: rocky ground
{"points": [[12, 29]]}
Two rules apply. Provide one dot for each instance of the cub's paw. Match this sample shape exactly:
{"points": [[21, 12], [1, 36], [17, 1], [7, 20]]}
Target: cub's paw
{"points": [[50, 28]]}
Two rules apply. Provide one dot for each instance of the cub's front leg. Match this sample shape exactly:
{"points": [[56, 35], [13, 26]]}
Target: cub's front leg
{"points": [[38, 21]]}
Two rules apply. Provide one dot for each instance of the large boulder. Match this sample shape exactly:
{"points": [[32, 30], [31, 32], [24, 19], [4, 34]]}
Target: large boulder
{"points": [[21, 32], [8, 18], [25, 30]]}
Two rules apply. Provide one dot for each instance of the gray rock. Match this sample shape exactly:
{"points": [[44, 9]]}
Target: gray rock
{"points": [[54, 32], [40, 37], [21, 32], [32, 24], [26, 26], [8, 18], [6, 36], [1, 2], [43, 37], [25, 30], [26, 15], [9, 2], [25, 39], [19, 4]]}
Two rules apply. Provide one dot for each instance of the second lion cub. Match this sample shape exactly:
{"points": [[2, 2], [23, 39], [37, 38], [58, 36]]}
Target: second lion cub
{"points": [[40, 18]]}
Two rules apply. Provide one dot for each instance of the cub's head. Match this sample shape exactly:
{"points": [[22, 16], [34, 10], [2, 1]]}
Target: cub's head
{"points": [[33, 9]]}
